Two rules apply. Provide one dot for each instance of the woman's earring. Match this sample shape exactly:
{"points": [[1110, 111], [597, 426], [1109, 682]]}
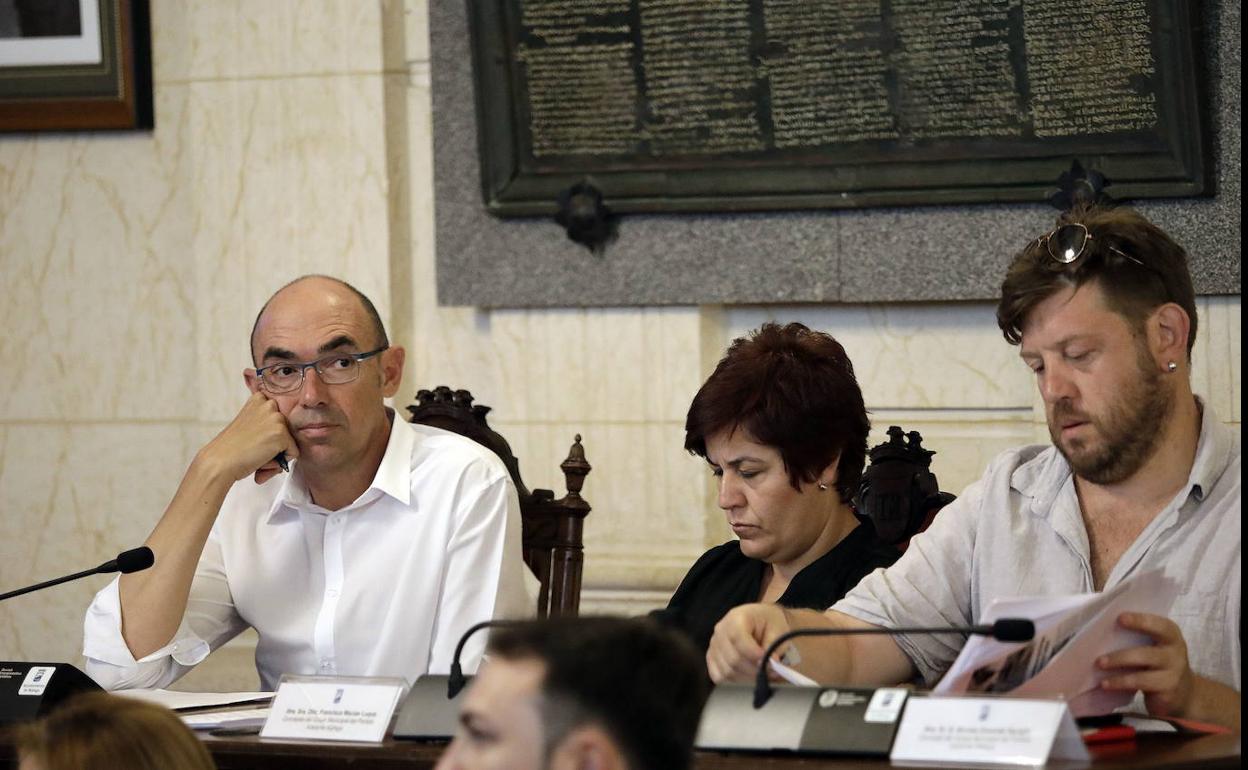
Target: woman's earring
{"points": [[1172, 367], [823, 487]]}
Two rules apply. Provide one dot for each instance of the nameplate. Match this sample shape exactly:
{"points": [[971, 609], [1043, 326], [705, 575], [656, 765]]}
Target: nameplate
{"points": [[30, 690], [999, 731], [333, 708], [806, 720]]}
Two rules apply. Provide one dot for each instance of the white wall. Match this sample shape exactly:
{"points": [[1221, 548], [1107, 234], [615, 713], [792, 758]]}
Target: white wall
{"points": [[295, 137]]}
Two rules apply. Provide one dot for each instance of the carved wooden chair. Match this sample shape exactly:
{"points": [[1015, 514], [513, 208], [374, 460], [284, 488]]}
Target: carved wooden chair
{"points": [[553, 546], [898, 492]]}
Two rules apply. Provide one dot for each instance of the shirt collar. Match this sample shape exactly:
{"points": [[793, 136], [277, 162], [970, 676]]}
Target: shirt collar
{"points": [[393, 476], [1213, 452], [1043, 476]]}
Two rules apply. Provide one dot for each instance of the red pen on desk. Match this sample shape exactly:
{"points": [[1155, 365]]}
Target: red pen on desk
{"points": [[1108, 734]]}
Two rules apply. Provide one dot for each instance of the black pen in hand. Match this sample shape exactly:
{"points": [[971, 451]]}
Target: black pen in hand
{"points": [[282, 461]]}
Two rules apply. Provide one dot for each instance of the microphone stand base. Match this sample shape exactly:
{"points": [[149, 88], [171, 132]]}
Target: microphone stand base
{"points": [[813, 720], [427, 714]]}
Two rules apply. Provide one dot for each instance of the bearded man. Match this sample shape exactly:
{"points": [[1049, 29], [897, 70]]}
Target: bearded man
{"points": [[1141, 476]]}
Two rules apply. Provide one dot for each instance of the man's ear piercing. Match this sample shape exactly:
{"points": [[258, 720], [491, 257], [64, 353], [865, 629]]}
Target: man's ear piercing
{"points": [[1172, 366]]}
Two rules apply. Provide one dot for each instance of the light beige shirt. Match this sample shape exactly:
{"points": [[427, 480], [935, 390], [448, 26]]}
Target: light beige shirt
{"points": [[1018, 531]]}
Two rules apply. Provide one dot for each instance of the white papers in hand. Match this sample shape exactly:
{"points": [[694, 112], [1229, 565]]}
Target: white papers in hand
{"points": [[1071, 633]]}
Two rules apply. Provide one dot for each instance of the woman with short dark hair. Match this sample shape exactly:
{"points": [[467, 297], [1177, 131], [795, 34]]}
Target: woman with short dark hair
{"points": [[782, 423]]}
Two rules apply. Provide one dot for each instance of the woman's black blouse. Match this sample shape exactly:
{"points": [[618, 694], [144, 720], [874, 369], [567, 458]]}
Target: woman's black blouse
{"points": [[724, 578]]}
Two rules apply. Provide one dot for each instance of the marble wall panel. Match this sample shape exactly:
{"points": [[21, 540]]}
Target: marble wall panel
{"points": [[224, 39], [536, 447], [290, 179], [73, 496], [610, 364], [650, 504], [612, 601], [637, 471], [1216, 362], [914, 356], [451, 350], [1230, 311], [525, 376], [172, 50], [559, 365], [94, 299], [416, 30]]}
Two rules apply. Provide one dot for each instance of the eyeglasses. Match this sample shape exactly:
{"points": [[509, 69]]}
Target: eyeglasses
{"points": [[1068, 242], [336, 369]]}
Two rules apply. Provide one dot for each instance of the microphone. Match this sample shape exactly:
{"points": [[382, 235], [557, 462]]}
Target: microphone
{"points": [[456, 680], [430, 711], [1005, 630], [134, 560]]}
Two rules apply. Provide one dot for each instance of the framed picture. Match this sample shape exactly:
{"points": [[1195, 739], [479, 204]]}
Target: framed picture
{"points": [[69, 65]]}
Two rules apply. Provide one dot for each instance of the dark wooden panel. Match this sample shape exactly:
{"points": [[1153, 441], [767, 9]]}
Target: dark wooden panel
{"points": [[681, 105]]}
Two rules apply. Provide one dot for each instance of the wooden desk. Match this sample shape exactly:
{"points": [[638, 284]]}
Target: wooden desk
{"points": [[1152, 752]]}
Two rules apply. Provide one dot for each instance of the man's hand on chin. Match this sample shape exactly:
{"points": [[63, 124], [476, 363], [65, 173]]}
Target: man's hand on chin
{"points": [[250, 443]]}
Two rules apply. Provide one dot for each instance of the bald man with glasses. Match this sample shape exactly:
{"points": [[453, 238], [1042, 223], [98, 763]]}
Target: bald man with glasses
{"points": [[1141, 476], [380, 547]]}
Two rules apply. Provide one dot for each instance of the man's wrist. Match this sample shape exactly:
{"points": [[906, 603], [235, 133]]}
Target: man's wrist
{"points": [[210, 471], [1210, 701]]}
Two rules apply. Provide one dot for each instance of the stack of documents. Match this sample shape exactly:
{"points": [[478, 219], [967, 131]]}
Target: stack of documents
{"points": [[211, 710]]}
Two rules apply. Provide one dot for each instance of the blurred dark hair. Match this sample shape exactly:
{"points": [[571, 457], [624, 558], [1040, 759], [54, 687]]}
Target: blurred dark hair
{"points": [[642, 683], [1132, 290], [793, 389]]}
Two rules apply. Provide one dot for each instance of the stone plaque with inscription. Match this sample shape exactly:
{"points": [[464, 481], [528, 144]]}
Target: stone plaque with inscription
{"points": [[735, 105]]}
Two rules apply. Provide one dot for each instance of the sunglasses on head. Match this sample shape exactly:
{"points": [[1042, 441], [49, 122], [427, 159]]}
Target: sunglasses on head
{"points": [[1068, 242]]}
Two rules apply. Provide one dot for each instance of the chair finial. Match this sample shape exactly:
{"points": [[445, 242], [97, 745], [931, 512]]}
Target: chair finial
{"points": [[575, 468]]}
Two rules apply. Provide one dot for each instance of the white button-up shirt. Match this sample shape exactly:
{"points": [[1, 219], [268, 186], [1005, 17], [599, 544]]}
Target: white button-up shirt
{"points": [[383, 587]]}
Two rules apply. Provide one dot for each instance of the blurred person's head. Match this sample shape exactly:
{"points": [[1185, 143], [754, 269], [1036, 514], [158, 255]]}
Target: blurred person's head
{"points": [[1104, 312], [782, 422], [565, 693], [109, 732]]}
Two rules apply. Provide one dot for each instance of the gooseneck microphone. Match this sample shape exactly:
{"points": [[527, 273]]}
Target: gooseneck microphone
{"points": [[456, 680], [1004, 630], [134, 560]]}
